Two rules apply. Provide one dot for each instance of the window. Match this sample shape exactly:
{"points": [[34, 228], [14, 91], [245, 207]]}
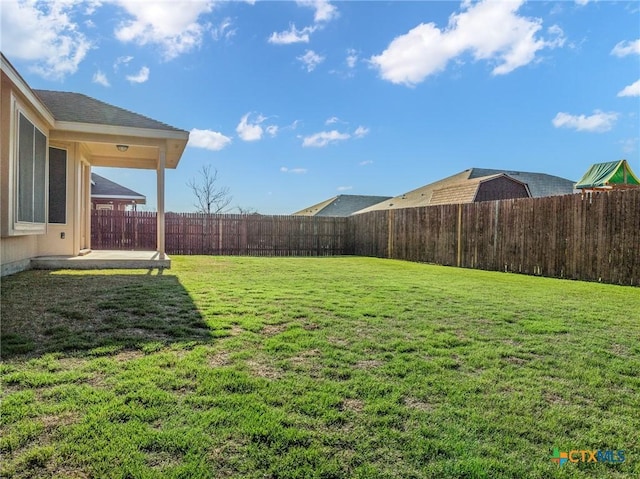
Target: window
{"points": [[32, 169], [57, 185]]}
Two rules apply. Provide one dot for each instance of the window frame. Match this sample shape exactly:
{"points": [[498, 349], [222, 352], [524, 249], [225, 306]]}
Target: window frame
{"points": [[16, 226]]}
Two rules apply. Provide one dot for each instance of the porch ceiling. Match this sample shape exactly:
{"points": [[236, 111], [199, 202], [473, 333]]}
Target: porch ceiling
{"points": [[136, 156], [143, 150]]}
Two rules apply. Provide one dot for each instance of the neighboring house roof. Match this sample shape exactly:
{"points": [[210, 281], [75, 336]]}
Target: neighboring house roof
{"points": [[539, 184], [104, 189], [341, 205], [466, 191], [79, 108], [608, 175]]}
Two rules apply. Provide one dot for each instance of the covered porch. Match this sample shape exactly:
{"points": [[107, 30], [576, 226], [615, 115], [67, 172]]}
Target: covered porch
{"points": [[100, 134]]}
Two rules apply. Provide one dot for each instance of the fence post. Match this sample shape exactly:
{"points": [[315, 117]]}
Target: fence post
{"points": [[459, 255], [495, 233], [390, 235]]}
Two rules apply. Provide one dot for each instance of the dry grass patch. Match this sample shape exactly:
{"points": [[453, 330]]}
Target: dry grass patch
{"points": [[261, 368], [273, 329], [352, 404], [415, 403], [368, 364], [218, 359]]}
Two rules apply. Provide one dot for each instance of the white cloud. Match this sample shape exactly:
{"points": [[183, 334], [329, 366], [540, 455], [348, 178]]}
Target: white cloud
{"points": [[208, 139], [172, 25], [361, 132], [599, 122], [311, 60], [332, 120], [490, 30], [631, 90], [629, 145], [141, 77], [325, 11], [91, 6], [295, 171], [622, 49], [248, 131], [352, 58], [125, 60], [293, 35], [344, 188], [223, 31], [319, 140], [582, 2], [100, 78], [272, 130], [44, 33], [366, 162]]}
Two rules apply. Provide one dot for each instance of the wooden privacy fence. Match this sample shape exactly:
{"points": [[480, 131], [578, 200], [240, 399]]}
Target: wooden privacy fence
{"points": [[192, 233], [594, 238], [123, 230]]}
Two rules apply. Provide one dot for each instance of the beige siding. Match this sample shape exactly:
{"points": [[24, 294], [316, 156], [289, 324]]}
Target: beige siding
{"points": [[5, 120], [53, 243], [16, 252]]}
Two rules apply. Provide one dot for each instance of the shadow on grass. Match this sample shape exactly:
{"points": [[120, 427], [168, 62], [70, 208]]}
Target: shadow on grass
{"points": [[44, 312]]}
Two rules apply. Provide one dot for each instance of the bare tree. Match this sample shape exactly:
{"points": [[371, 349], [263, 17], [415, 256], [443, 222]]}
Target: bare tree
{"points": [[247, 211], [211, 198]]}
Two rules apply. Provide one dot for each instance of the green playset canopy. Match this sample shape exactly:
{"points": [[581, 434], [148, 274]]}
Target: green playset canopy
{"points": [[610, 175]]}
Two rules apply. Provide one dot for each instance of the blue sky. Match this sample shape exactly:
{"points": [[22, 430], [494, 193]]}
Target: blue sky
{"points": [[296, 102]]}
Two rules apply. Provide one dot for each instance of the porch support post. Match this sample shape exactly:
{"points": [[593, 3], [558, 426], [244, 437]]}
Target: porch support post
{"points": [[162, 158], [86, 201]]}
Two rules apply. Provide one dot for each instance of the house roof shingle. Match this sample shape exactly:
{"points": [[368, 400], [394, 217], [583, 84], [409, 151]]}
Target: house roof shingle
{"points": [[539, 184], [466, 191], [341, 205], [101, 187], [79, 108]]}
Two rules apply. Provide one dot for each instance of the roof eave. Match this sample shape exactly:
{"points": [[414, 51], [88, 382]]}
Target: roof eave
{"points": [[118, 197], [121, 130], [25, 90]]}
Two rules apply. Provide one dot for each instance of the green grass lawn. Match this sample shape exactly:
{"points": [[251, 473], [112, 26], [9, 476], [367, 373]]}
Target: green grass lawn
{"points": [[315, 368]]}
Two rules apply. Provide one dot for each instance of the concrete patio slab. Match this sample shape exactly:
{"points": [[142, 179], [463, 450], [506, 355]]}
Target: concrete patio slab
{"points": [[103, 259]]}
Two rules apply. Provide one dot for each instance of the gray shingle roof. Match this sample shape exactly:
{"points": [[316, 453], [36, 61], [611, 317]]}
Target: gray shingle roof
{"points": [[341, 205], [102, 187], [463, 191], [540, 184], [79, 108]]}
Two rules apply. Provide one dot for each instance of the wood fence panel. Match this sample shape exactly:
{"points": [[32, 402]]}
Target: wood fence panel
{"points": [[588, 237], [225, 234]]}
